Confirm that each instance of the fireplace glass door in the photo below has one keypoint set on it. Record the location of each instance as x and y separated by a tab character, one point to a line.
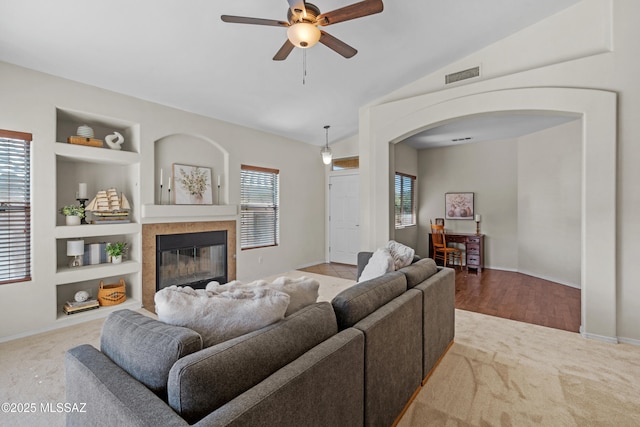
191	259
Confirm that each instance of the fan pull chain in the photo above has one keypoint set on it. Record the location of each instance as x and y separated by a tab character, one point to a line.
304	66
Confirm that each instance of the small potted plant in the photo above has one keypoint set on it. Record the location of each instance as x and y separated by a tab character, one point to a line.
116	250
73	214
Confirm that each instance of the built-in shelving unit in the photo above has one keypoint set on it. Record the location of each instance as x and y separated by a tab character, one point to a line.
99	168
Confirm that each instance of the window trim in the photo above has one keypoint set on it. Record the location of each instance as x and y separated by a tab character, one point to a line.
413	179
27	138
276	207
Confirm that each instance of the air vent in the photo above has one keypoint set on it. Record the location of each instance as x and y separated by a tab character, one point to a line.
466	138
462	75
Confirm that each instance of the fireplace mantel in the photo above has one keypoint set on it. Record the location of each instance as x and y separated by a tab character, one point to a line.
180	213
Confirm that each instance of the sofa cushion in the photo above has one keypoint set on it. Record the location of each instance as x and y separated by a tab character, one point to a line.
363	298
218	317
202	382
302	291
381	262
419	271
145	347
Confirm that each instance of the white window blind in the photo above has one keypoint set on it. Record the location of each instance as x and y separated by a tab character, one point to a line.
15	206
259	200
404	200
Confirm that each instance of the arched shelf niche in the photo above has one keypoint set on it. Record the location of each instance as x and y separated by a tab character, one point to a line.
192	150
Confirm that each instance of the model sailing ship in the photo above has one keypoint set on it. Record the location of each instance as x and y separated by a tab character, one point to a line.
109	208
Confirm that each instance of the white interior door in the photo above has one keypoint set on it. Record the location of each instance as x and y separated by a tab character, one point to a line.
344	217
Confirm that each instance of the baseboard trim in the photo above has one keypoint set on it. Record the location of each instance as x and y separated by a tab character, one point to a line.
596	337
550	279
629	341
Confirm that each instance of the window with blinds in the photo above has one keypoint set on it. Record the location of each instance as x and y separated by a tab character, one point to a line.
15	206
405	200
259	200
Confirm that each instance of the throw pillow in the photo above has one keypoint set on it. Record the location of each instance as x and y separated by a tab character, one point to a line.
218	317
402	255
302	291
381	262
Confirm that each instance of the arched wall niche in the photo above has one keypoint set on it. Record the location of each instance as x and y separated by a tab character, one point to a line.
389	123
192	150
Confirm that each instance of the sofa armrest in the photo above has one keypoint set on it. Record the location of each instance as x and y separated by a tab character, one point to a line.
363	260
107	396
439	315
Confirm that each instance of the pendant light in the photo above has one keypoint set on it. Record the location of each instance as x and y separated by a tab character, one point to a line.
326	151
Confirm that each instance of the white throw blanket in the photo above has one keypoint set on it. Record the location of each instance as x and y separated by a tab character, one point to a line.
218	317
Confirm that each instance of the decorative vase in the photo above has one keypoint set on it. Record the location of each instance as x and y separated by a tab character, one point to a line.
114	141
72	220
85	131
116	259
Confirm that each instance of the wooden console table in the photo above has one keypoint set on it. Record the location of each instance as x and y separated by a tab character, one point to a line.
473	248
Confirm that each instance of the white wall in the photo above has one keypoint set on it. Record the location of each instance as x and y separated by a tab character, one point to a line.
528	193
549	203
30	101
489	170
405	160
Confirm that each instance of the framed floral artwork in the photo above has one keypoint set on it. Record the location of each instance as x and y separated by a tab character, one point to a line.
458	205
192	185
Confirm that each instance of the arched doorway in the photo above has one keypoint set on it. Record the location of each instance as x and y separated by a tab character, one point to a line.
389	123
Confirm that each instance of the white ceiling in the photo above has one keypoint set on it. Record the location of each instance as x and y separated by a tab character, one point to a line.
486	127
179	53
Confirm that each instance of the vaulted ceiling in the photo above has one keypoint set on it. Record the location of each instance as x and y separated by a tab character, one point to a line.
180	53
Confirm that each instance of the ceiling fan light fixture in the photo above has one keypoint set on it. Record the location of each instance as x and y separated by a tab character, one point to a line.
303	34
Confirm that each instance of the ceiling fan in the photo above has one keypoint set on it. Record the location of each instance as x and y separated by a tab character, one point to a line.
302	24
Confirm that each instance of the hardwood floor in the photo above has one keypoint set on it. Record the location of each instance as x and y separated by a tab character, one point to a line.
334	269
520	297
503	294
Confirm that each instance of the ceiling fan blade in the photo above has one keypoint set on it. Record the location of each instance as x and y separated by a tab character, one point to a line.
297	7
338	45
256	21
284	51
356	10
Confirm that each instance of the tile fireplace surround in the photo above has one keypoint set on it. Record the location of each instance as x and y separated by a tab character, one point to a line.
149	233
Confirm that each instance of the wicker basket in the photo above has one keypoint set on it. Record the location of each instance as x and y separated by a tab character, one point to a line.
112	294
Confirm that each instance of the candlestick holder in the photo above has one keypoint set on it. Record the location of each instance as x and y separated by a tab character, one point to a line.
161	194
83	203
169	196
218	197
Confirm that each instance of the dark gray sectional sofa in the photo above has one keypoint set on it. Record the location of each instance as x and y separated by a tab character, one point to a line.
356	361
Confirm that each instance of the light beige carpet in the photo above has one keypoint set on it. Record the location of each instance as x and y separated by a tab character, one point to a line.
506	373
498	373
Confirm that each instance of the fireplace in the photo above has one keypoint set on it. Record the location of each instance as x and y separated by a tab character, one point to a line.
150	233
191	259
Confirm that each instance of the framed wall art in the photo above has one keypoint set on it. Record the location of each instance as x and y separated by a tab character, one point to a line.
458	206
192	185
